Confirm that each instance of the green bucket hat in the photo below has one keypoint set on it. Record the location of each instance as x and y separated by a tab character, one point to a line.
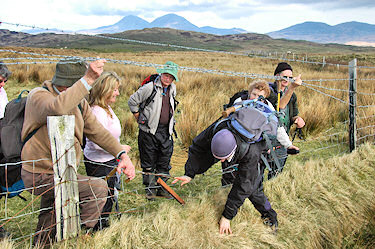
69	72
171	68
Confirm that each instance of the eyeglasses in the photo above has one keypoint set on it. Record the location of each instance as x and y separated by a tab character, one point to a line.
1	81
286	78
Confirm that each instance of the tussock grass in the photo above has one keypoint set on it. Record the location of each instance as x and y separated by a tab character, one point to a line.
6	244
320	204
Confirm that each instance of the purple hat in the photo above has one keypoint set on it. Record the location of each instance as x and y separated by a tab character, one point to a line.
223	144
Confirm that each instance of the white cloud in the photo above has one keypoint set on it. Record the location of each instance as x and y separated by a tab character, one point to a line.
253	15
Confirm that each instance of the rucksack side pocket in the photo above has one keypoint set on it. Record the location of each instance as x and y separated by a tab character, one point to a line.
11	149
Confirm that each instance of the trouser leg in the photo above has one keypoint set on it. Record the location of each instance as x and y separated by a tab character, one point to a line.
155	154
93	193
100	170
148	156
43	184
261	203
163	166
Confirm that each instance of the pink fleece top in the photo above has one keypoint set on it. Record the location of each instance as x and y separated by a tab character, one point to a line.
3	101
92	151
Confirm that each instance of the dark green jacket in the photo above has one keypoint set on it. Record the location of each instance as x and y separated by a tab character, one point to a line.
291	109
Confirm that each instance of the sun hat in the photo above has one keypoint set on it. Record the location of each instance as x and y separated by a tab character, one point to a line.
68	72
223	144
169	67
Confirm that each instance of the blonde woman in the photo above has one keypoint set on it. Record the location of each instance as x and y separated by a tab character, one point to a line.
99	162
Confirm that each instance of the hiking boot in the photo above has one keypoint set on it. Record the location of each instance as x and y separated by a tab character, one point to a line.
163	193
150	193
3	233
103	223
273	224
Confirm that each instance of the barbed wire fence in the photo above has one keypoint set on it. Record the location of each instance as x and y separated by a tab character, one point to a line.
331	139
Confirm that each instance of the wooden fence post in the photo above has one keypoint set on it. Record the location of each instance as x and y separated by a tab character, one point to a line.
352	104
61	135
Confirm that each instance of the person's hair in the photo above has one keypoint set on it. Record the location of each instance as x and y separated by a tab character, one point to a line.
4	71
260	85
102	90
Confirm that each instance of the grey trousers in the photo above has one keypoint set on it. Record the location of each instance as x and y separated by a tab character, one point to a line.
92	193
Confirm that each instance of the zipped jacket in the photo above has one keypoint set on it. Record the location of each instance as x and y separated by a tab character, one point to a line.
152	110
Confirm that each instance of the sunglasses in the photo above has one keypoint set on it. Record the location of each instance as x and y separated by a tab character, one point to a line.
286	78
1	81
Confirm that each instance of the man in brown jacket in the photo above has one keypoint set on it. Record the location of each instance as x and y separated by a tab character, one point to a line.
68	88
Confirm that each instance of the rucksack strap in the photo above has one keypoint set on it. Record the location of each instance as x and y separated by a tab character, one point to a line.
265	161
218	122
272	152
20	95
145	103
34	131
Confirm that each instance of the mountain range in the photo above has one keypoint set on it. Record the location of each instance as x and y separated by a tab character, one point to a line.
350	33
173	21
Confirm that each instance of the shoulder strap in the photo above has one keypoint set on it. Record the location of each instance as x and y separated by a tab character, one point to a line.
273	153
243	148
145	103
34	131
151	97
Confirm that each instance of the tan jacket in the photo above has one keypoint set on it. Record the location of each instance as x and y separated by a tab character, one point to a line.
42	103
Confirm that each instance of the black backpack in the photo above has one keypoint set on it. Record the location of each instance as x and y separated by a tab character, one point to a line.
241	94
11	146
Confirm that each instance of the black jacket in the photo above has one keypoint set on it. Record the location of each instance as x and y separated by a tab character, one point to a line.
200	159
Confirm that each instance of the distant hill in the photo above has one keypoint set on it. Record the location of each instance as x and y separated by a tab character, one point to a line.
127	23
345	33
173	21
235	42
132	22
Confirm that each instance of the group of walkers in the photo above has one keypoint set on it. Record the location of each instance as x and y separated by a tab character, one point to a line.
87	92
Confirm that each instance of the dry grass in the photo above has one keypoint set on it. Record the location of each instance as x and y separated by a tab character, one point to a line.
321	204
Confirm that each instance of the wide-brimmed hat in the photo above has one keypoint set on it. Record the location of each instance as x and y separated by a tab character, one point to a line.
69	72
171	68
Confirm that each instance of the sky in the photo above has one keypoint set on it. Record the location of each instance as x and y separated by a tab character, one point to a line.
259	16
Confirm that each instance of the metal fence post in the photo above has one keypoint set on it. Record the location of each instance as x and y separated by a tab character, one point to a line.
352	104
61	135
